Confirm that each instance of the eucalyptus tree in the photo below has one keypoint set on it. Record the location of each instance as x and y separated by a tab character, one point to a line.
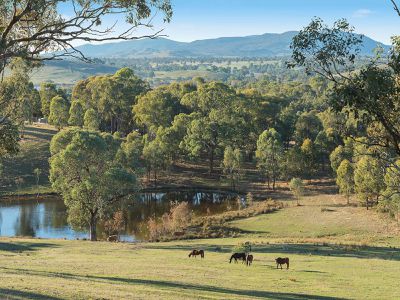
370	94
345	179
91	120
39	30
156	108
369	180
269	155
232	165
59	112
47	91
85	170
215	120
76	114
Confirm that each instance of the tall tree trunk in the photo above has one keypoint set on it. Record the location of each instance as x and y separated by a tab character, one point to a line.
92	229
211	160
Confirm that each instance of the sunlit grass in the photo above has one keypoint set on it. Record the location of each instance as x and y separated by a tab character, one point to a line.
331	257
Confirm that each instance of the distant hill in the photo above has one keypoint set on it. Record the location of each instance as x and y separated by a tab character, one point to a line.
266	45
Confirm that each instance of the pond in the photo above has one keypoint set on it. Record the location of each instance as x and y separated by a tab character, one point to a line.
46	217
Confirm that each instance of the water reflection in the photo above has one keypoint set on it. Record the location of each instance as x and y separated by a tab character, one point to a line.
47	218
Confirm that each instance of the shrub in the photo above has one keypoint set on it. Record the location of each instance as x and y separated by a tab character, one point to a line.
242	248
115	225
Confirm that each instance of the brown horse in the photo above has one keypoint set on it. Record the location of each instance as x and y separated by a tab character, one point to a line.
112	238
237	256
281	261
197	252
249	259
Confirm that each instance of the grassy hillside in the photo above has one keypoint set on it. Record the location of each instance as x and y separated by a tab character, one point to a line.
67	72
34	153
326	263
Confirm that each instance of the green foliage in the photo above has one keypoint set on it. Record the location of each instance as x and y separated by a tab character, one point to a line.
85	171
59	112
320	48
156	156
76	114
341	153
391	195
368	179
50	29
269	155
216	120
157	108
18	97
308	158
91	120
308	126
345	178
296	186
47	92
242	248
9	138
232	165
130	154
112	96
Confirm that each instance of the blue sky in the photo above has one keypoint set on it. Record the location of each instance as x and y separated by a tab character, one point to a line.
200	19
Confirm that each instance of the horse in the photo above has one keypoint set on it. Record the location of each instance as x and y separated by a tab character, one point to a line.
249	259
237	256
113	238
197	252
281	261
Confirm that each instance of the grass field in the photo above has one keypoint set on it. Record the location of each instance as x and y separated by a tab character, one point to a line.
359	260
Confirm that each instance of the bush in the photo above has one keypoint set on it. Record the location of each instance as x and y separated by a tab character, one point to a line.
177	219
115	225
242	248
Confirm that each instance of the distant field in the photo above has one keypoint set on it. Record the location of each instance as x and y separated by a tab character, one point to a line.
320	267
189	74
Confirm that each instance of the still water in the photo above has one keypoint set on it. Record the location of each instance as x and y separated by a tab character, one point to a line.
47	217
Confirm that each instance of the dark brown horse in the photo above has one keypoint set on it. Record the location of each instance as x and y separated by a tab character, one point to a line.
249	259
197	252
281	261
237	256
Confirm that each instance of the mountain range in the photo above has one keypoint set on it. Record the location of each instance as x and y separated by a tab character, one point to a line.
265	45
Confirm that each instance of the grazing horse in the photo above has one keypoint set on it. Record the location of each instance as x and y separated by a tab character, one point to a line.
112	238
281	261
237	256
249	259
197	252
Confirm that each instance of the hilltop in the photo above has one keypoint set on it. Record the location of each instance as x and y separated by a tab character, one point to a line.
265	45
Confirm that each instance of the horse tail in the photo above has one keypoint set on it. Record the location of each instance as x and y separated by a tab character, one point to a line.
287	263
202	254
231	259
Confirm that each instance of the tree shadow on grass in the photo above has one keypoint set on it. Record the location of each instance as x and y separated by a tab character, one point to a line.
349	251
24	246
17	294
178	285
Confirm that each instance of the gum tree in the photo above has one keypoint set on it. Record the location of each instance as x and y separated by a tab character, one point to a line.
85	171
